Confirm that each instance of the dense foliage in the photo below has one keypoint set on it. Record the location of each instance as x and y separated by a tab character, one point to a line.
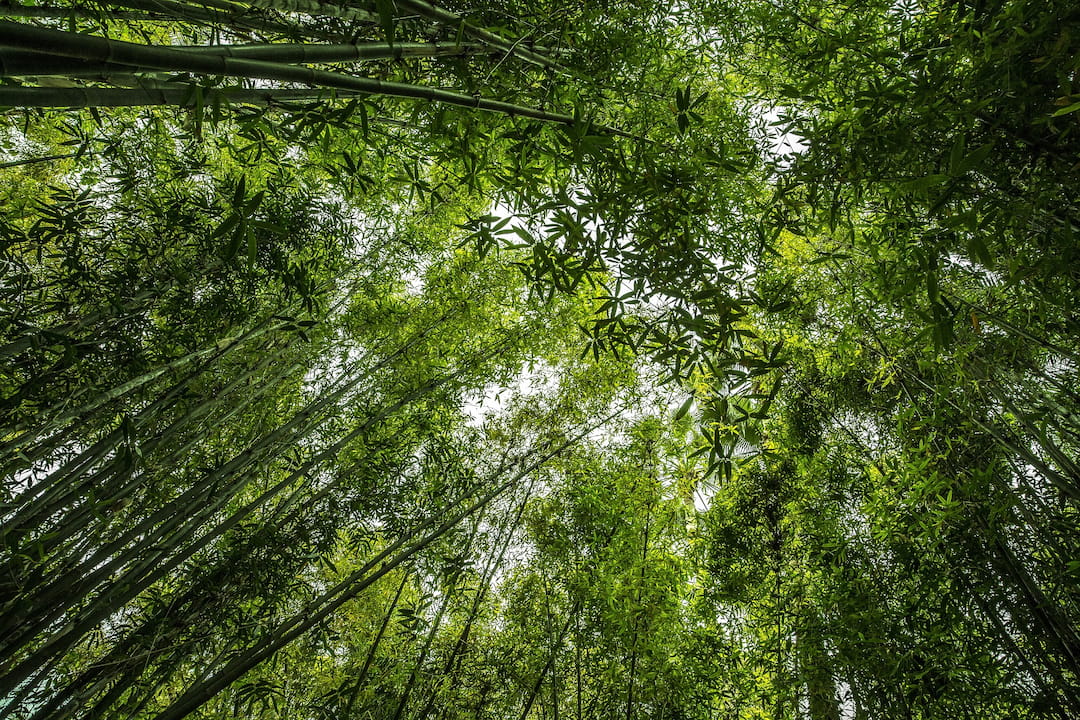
709	359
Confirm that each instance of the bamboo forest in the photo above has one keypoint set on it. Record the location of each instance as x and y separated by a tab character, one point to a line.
539	359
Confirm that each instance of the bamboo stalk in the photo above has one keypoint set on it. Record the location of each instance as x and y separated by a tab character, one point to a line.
38	160
410	684
29	63
505	534
103	50
330	53
146	97
362	675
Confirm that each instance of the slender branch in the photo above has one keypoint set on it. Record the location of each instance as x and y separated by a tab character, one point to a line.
448	18
35	161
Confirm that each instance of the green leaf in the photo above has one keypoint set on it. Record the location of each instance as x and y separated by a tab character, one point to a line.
977	248
1067	109
956	156
240	192
386	9
228	224
685	408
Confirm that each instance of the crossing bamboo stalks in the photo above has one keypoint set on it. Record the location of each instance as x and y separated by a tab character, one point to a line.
506	532
61	487
175	521
13	9
384	562
358	681
179	520
102	482
102	50
448	596
315	8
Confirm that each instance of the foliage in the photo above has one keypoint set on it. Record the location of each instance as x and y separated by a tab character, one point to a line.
526	360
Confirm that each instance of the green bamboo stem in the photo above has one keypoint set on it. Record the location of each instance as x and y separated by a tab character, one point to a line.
334	53
146	97
1037	434
26	63
103	398
126	659
410	684
130	309
1008	639
102	50
39	160
494	562
1063	483
550	663
71	523
1035	602
220	349
383	563
75	521
1055	626
997	319
191	509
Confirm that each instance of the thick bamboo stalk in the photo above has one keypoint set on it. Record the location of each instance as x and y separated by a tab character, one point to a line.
334	53
27	63
103	50
146	97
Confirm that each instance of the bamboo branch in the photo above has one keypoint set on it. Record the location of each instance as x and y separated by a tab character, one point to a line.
420	7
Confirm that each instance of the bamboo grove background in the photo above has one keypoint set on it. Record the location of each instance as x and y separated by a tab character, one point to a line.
711	359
